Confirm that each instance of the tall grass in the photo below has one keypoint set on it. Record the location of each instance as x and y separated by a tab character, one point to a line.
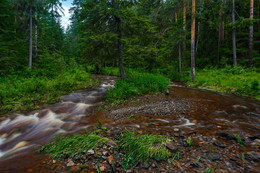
144	147
138	84
19	93
236	80
70	146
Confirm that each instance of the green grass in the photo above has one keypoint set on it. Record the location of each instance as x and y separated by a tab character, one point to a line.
70	146
138	84
144	147
27	92
236	80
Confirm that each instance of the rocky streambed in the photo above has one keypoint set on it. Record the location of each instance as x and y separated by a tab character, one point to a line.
208	131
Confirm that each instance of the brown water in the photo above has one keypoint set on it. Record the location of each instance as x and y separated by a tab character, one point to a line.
211	112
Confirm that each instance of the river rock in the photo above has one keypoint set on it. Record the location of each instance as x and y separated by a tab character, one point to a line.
252	156
171	146
257	142
111	143
70	163
219	144
91	152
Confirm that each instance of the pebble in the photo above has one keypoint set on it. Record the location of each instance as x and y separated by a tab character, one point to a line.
176	130
91	152
171	146
70	163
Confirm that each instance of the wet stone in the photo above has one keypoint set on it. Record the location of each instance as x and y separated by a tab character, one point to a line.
196	164
252	156
91	152
216	157
219	144
171	146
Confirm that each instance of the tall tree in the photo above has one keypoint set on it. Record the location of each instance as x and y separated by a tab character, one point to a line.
193	41
30	37
234	35
184	27
220	31
251	31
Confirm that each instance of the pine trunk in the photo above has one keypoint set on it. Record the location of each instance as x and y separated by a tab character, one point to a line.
120	55
251	32
219	34
193	41
30	39
234	35
179	62
184	28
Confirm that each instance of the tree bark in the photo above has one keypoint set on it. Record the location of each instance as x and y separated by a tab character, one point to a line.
30	39
120	56
36	35
219	34
193	41
184	29
251	32
179	62
234	35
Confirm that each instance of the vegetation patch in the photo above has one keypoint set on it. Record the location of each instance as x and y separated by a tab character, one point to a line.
144	147
20	92
138	84
234	80
70	146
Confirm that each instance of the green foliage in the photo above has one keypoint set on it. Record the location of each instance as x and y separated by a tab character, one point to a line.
70	146
235	80
144	147
138	84
189	142
25	93
239	139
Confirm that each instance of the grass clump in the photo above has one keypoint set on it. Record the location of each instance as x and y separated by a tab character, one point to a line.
20	92
144	147
70	146
234	80
138	84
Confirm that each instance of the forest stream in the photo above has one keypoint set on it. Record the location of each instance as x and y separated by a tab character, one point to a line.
206	116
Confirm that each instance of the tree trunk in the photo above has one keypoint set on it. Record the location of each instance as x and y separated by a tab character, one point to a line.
120	56
36	35
251	31
97	69
179	62
234	35
197	44
184	29
30	40
219	34
193	41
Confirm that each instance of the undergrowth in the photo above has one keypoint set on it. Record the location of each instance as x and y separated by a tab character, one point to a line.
70	146
234	80
144	147
20	92
138	84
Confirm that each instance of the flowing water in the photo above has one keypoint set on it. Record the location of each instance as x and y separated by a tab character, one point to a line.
210	112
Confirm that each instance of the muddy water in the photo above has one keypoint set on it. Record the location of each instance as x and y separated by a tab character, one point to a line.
209	112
